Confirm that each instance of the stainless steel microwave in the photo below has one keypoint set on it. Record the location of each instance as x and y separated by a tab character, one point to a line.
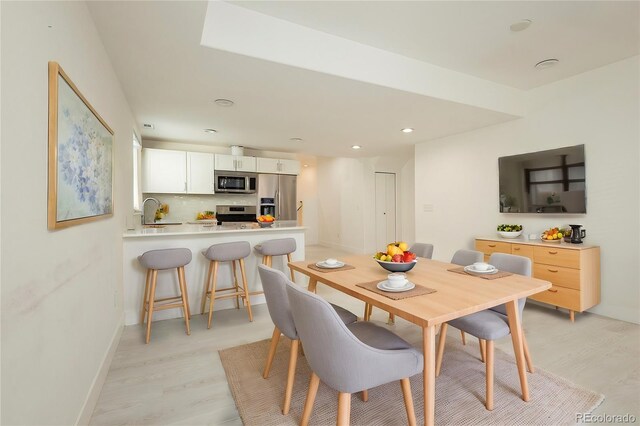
235	182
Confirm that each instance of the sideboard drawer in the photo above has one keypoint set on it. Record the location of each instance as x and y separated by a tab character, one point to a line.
558	275
560	296
522	250
557	256
489	247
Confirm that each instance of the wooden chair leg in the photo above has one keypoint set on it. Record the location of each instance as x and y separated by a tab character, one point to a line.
235	282
408	401
365	317
441	342
527	355
365	395
392	319
152	296
207	285
464	340
212	295
344	409
293	278
145	298
245	285
489	362
291	374
186	292
482	344
272	352
311	398
185	303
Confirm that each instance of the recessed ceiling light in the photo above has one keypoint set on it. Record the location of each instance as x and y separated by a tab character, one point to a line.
520	25
407	130
296	140
210	131
547	63
224	102
305	165
356	147
148	126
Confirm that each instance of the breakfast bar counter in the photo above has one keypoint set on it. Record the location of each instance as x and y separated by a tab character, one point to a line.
197	237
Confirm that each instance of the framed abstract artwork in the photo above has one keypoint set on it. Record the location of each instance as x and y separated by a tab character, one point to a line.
80	156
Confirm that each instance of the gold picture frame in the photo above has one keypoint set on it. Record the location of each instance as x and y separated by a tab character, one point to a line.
81	145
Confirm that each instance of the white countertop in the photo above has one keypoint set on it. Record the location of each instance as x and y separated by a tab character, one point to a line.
197	229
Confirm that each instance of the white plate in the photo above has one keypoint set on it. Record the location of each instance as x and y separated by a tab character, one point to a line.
470	268
325	266
383	286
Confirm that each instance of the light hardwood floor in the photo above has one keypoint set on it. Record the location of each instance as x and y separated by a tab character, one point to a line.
178	379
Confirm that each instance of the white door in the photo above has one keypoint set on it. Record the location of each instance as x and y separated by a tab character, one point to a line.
225	162
289	167
385	194
164	171
200	173
245	164
267	165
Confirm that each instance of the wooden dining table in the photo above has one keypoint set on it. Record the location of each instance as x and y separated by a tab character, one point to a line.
455	295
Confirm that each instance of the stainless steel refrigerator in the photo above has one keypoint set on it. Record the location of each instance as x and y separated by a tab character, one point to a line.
277	196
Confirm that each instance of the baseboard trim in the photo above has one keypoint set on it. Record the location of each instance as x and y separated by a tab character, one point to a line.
98	381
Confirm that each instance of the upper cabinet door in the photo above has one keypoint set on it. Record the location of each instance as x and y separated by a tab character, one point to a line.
245	164
268	165
289	167
225	162
200	173
164	171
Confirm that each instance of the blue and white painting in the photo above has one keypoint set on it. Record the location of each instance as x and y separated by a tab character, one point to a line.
84	165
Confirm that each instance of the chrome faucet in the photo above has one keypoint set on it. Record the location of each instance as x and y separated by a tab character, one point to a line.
144	215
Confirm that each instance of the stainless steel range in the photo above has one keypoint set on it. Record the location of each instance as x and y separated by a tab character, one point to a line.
232	214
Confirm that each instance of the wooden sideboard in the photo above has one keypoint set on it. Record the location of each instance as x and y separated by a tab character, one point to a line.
573	269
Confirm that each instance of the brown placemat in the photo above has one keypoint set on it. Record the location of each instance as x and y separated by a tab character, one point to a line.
418	290
499	274
342	268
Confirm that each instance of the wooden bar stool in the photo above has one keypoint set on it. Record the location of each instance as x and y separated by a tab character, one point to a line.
158	260
278	247
226	252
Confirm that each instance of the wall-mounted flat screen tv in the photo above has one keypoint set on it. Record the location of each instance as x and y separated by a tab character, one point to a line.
550	181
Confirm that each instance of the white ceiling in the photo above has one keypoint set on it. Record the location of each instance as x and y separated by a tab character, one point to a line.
171	80
473	37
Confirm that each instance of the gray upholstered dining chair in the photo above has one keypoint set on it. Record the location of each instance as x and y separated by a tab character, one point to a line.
490	324
422	250
465	258
349	358
274	286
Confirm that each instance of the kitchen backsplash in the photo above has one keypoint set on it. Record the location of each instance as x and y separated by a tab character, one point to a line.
184	208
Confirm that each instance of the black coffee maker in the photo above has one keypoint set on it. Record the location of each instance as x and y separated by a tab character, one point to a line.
577	234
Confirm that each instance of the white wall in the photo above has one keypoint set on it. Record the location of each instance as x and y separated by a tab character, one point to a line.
458	175
346	200
61	290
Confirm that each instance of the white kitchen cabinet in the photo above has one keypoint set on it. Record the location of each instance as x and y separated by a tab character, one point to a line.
278	166
164	171
200	173
267	165
235	163
290	167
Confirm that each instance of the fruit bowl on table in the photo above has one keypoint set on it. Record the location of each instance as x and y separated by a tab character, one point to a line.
397	266
512	234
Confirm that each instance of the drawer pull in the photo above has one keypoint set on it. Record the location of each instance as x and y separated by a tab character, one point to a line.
553	252
516	248
552	270
492	245
552	290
